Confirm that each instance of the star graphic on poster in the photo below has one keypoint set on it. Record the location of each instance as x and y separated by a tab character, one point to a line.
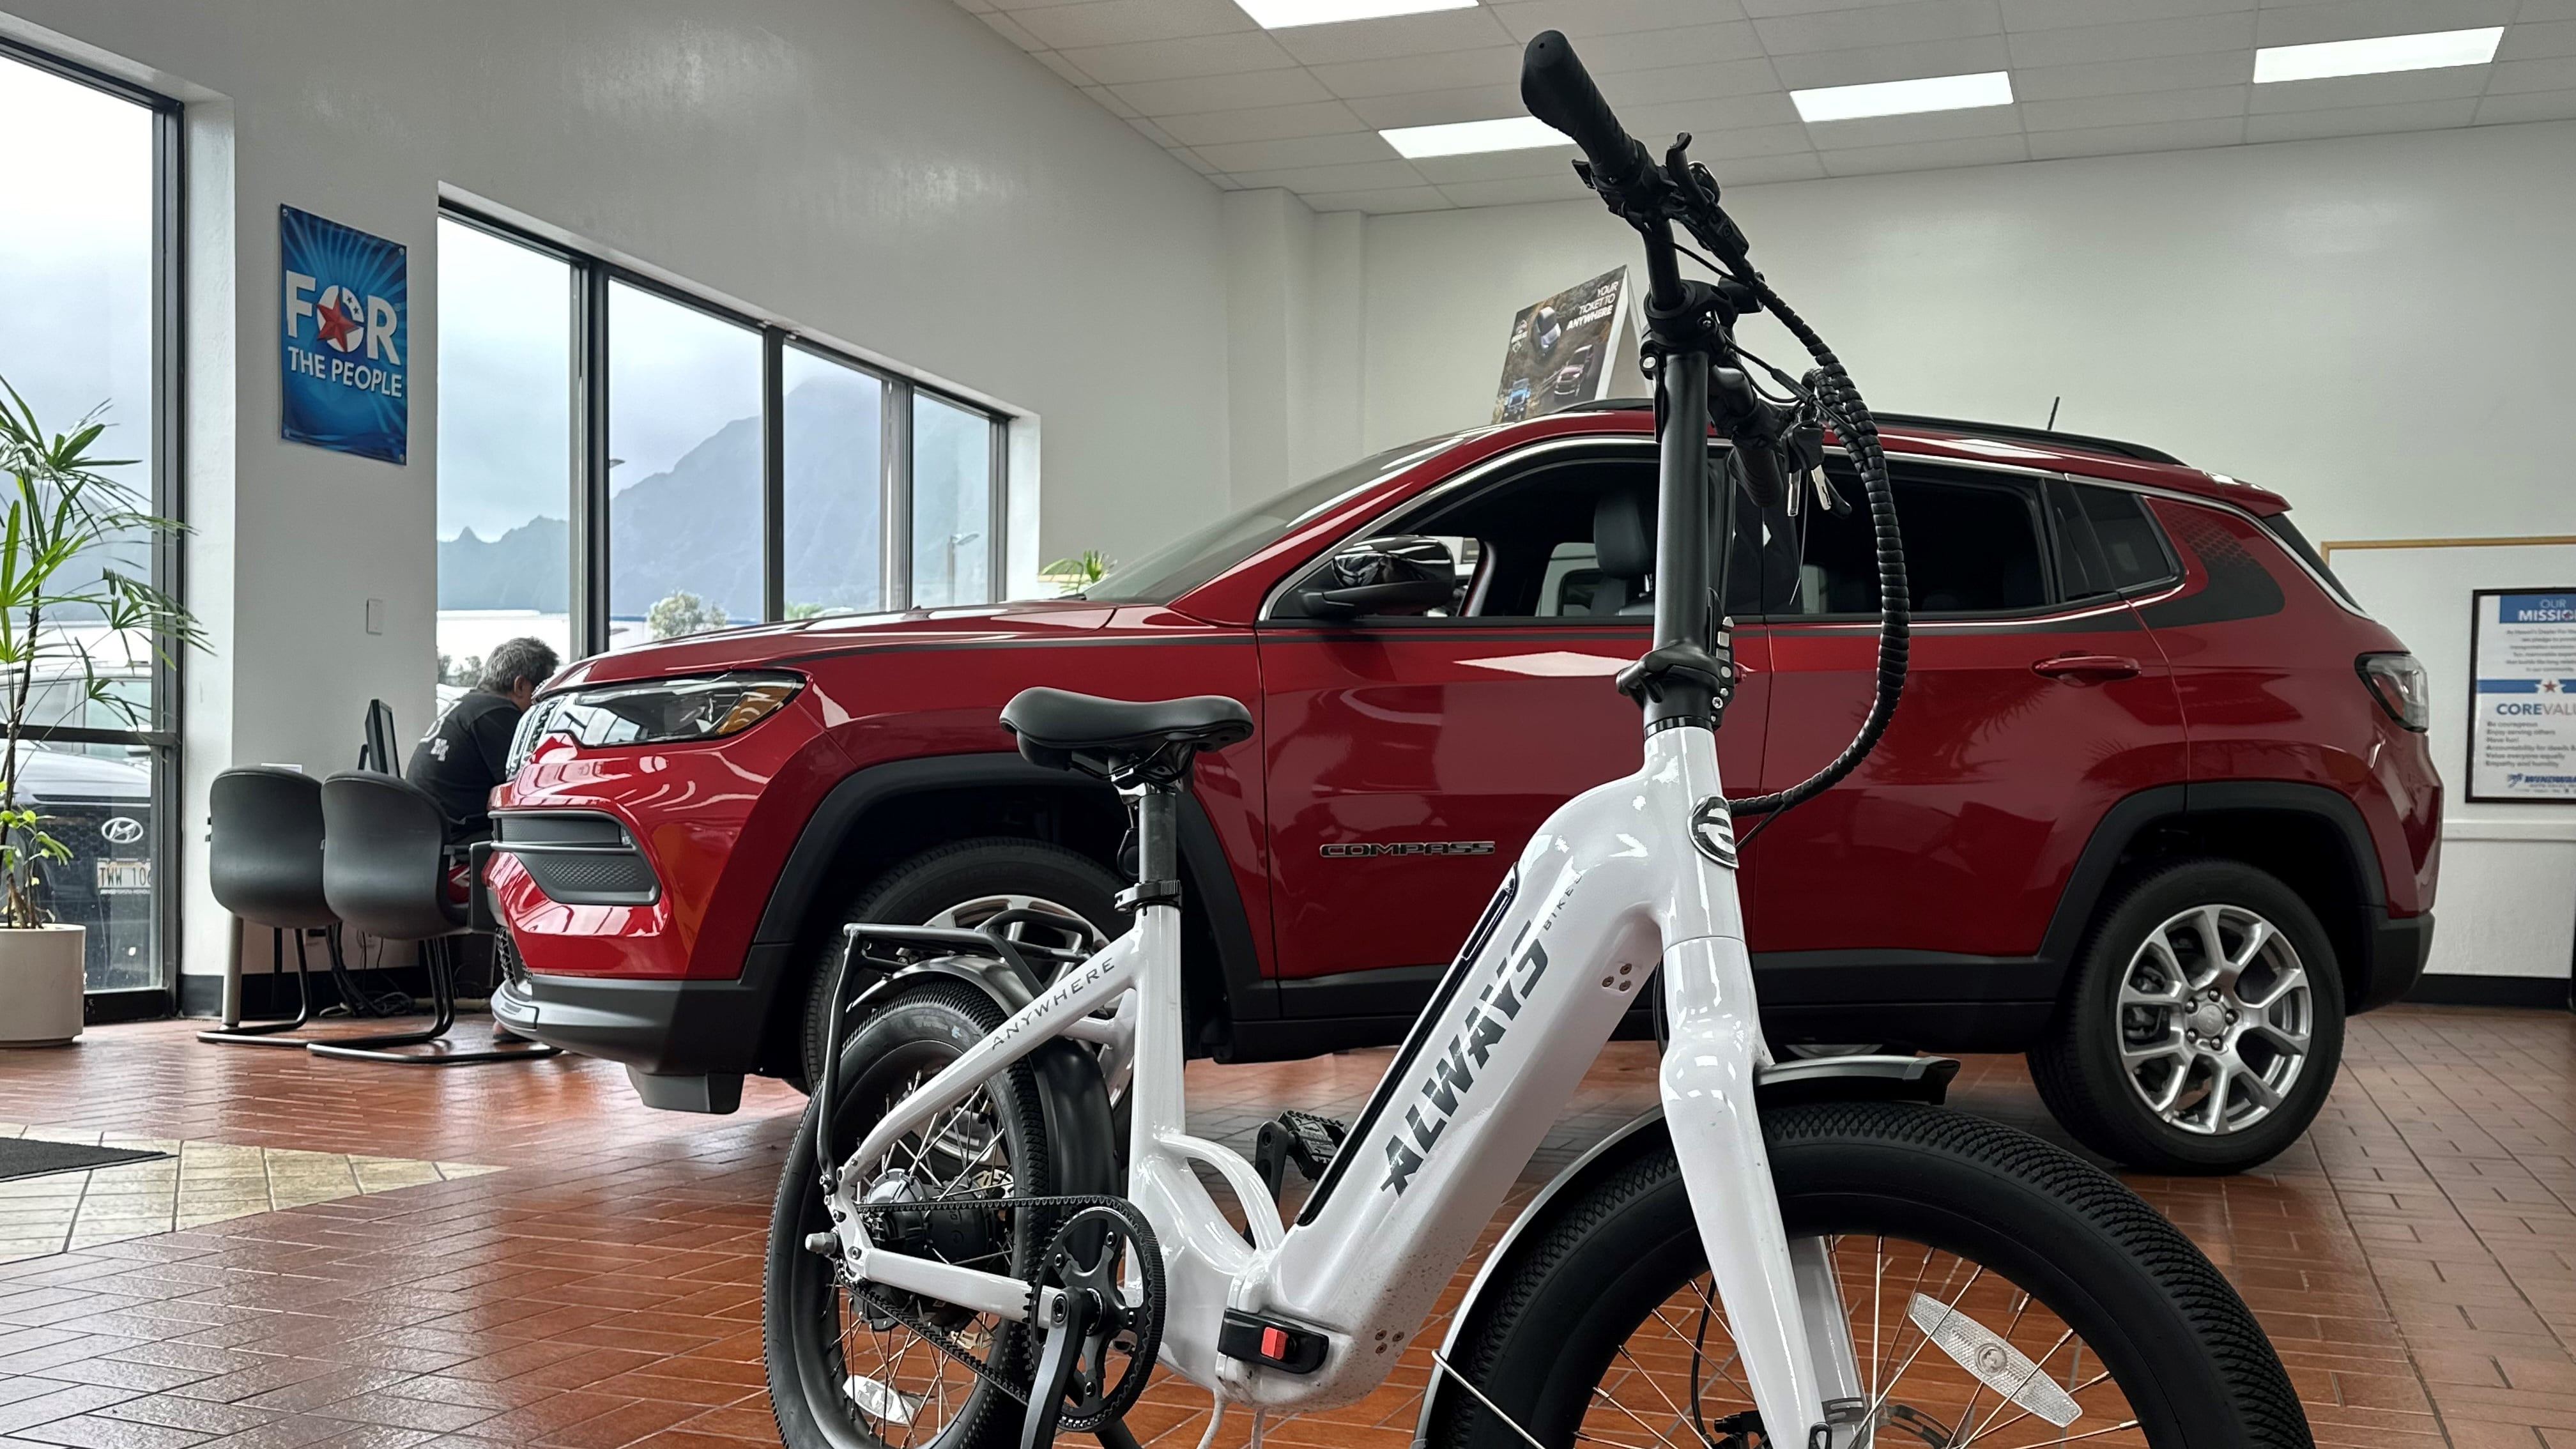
2549	686
338	327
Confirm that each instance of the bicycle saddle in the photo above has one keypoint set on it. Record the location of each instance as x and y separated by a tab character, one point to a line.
1066	731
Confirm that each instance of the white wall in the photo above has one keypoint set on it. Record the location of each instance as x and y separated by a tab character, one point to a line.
1293	330
889	173
2373	326
2382	328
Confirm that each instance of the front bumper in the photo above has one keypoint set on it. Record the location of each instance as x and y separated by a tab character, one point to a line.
685	1044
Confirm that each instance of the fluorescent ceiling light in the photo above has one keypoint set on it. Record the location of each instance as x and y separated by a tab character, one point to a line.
1281	14
1511	133
2378	55
1905	97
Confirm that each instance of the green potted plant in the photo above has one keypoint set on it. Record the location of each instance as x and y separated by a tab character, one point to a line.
69	622
1079	572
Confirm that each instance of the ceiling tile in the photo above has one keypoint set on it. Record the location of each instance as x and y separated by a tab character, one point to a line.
1387	202
2536	42
1203	55
1108	100
1396	74
1907	24
1262	123
1893	62
2136	109
1117	22
2396	88
1222	92
1495	165
2123	77
1010	30
1926	155
974	7
1061	66
2556	73
1721	149
1426	34
2355	19
2115	140
1686	45
1582	18
1365	176
1299	151
2360	120
2533	10
2134	40
1763	9
1439	108
2527	106
1691	83
1831	136
1152	132
1656	124
2053	14
1514	193
1191	159
1025	4
1763	170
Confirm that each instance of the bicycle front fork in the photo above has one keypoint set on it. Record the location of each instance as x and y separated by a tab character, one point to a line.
1798	1363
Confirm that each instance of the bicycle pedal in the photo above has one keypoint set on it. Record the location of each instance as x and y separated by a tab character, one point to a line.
1300	1138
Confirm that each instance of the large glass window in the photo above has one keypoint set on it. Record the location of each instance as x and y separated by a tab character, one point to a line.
621	461
86	291
834	540
685	468
952	503
505	449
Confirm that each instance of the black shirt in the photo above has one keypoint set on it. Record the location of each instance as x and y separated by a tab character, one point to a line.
464	755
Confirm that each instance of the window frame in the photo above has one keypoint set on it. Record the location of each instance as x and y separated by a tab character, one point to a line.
590	520
160	740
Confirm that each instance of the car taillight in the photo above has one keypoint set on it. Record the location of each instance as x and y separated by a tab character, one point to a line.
2400	685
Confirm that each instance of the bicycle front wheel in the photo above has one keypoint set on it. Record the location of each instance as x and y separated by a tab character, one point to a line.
1998	1292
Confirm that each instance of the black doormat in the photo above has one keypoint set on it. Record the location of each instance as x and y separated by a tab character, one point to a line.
28	1157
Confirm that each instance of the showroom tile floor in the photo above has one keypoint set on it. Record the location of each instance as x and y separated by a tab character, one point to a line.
598	1284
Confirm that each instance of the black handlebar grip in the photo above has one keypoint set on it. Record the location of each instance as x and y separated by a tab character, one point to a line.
1759	468
1558	90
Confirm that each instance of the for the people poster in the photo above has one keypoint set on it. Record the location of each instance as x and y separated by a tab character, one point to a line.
2522	718
341	348
1562	349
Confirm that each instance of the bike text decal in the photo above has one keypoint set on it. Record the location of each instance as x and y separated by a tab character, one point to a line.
1454	1066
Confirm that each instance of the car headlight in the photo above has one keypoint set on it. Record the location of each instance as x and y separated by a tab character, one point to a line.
655	711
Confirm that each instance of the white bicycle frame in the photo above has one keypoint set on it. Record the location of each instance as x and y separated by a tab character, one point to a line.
1631	876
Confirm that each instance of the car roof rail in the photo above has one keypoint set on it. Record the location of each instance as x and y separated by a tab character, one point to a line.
2001	432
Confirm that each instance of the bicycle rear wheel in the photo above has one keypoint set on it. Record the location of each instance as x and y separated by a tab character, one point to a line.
1999	1292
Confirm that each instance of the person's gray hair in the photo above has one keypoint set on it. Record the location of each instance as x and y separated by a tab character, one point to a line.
515	659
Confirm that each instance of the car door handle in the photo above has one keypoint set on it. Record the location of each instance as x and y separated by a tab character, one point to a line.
2087	666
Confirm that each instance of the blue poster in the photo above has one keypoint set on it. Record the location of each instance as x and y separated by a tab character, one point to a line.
345	337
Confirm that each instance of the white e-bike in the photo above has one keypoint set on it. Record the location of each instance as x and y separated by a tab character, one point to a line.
968	1251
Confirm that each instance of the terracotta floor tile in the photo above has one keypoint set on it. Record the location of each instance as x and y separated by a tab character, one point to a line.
2414	1256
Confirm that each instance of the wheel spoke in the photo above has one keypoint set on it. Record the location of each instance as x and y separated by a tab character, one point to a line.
2286	982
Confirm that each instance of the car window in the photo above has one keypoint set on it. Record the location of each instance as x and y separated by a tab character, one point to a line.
1971	547
1532	545
1193	559
2106	541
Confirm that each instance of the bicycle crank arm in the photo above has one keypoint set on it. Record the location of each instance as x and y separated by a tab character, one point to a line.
1062	1323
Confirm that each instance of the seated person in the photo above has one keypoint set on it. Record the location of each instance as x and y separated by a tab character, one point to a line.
466	753
467	749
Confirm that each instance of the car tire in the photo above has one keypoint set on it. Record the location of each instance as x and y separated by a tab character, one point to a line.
954	881
2157	1018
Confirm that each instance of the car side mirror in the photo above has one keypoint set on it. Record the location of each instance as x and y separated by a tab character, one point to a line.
1400	575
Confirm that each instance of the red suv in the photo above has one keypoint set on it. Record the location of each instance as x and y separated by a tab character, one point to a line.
2156	807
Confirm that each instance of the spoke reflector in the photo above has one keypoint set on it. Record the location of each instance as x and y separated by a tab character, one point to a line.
1997	1364
882	1401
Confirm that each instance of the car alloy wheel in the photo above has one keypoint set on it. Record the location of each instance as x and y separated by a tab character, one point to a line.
1074	939
2215	1015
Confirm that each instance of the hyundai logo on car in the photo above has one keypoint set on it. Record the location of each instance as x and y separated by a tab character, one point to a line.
121	830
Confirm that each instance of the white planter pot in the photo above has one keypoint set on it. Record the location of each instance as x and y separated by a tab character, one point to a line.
40	985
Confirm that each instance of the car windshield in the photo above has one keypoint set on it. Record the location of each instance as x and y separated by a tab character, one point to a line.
1178	567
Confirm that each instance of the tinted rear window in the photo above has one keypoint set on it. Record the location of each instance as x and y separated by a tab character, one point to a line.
2106	541
2296	542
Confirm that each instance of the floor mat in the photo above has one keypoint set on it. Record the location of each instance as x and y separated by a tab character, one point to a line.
29	1157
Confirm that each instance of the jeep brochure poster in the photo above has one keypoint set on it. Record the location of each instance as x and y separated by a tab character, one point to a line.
2522	719
1563	349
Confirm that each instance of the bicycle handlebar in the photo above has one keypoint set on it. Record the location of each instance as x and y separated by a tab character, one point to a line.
1558	90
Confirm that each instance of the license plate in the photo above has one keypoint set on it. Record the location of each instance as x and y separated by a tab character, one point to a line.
124	877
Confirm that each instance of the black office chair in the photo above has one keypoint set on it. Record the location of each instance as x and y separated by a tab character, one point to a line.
384	870
265	867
